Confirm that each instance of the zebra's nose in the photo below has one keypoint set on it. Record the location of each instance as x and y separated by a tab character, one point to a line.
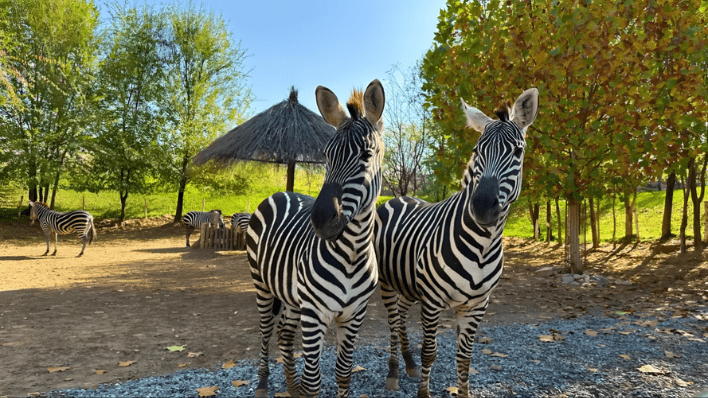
327	218
485	202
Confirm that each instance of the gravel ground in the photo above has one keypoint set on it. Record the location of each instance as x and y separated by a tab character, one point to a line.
575	363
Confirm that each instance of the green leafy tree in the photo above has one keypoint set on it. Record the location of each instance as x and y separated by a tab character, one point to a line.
125	150
47	69
205	90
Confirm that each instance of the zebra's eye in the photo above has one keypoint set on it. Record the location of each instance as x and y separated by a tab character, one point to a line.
366	155
519	153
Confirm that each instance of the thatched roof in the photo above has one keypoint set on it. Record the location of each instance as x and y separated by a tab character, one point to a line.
284	133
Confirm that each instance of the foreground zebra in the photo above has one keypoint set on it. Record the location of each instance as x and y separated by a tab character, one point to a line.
449	254
316	256
240	221
194	220
79	221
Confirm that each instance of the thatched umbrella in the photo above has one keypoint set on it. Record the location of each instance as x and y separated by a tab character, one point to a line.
285	133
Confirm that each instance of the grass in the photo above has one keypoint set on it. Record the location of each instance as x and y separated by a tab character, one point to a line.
650	206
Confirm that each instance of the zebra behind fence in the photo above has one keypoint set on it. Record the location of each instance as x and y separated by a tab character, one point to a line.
449	254
316	256
79	221
240	221
194	220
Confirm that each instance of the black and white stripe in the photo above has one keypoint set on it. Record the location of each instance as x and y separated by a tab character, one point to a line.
449	254
79	221
316	257
194	220
239	221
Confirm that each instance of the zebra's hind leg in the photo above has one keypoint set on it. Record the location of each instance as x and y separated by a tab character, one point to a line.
56	243
189	232
412	369
430	318
390	299
268	309
347	330
468	319
85	240
286	335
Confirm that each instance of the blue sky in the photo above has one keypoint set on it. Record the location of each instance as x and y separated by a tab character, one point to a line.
337	44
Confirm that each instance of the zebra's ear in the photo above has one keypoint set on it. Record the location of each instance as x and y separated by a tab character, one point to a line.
31	203
329	106
374	101
475	118
525	109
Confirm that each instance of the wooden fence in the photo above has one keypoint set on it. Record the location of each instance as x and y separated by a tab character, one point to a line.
223	238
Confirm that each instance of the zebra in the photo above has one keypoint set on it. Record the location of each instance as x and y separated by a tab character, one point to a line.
449	254
240	221
79	221
315	257
194	220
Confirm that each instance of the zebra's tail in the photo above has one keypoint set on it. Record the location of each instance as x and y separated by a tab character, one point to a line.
93	231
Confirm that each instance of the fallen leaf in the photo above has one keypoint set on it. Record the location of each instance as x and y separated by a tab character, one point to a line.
592	369
486	340
228	365
590	332
194	354
239	383
174	348
68	379
358	368
100	372
625	356
500	355
649	369
646	324
546	338
487	351
452	390
297	355
58	369
682	383
282	394
472	371
207	391
627	332
621	312
495	367
125	363
181	365
670	354
280	360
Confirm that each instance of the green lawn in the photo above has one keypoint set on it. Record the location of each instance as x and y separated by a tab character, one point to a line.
650	206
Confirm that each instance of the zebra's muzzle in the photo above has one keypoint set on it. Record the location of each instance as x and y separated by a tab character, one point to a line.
327	218
486	208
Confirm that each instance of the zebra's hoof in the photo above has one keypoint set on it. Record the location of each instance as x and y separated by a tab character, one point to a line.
54	254
80	254
262	393
45	254
413	372
392	384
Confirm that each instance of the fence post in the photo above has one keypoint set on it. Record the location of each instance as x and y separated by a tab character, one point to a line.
202	236
19	206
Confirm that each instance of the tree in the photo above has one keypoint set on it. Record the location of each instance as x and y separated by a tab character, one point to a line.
50	64
130	81
205	88
594	63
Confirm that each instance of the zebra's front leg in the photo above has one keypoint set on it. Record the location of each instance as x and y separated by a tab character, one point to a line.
412	369
314	325
265	302
347	330
430	317
390	300
286	335
85	240
189	232
48	235
468	321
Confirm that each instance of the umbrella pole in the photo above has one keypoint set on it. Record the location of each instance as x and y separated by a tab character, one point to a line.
291	177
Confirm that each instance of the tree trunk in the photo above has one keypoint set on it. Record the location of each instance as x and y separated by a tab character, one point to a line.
593	225
696	199
668	207
123	199
628	230
54	190
533	211
182	187
549	227
560	222
290	183
614	220
684	218
576	266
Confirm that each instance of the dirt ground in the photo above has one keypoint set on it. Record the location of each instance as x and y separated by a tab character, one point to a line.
111	314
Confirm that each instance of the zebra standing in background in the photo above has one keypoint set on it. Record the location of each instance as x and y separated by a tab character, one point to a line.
240	221
79	221
194	220
449	254
316	256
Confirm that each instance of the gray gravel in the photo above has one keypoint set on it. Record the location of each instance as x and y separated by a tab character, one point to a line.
578	365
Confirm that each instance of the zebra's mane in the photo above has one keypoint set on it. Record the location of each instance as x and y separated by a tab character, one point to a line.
503	111
355	105
41	203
